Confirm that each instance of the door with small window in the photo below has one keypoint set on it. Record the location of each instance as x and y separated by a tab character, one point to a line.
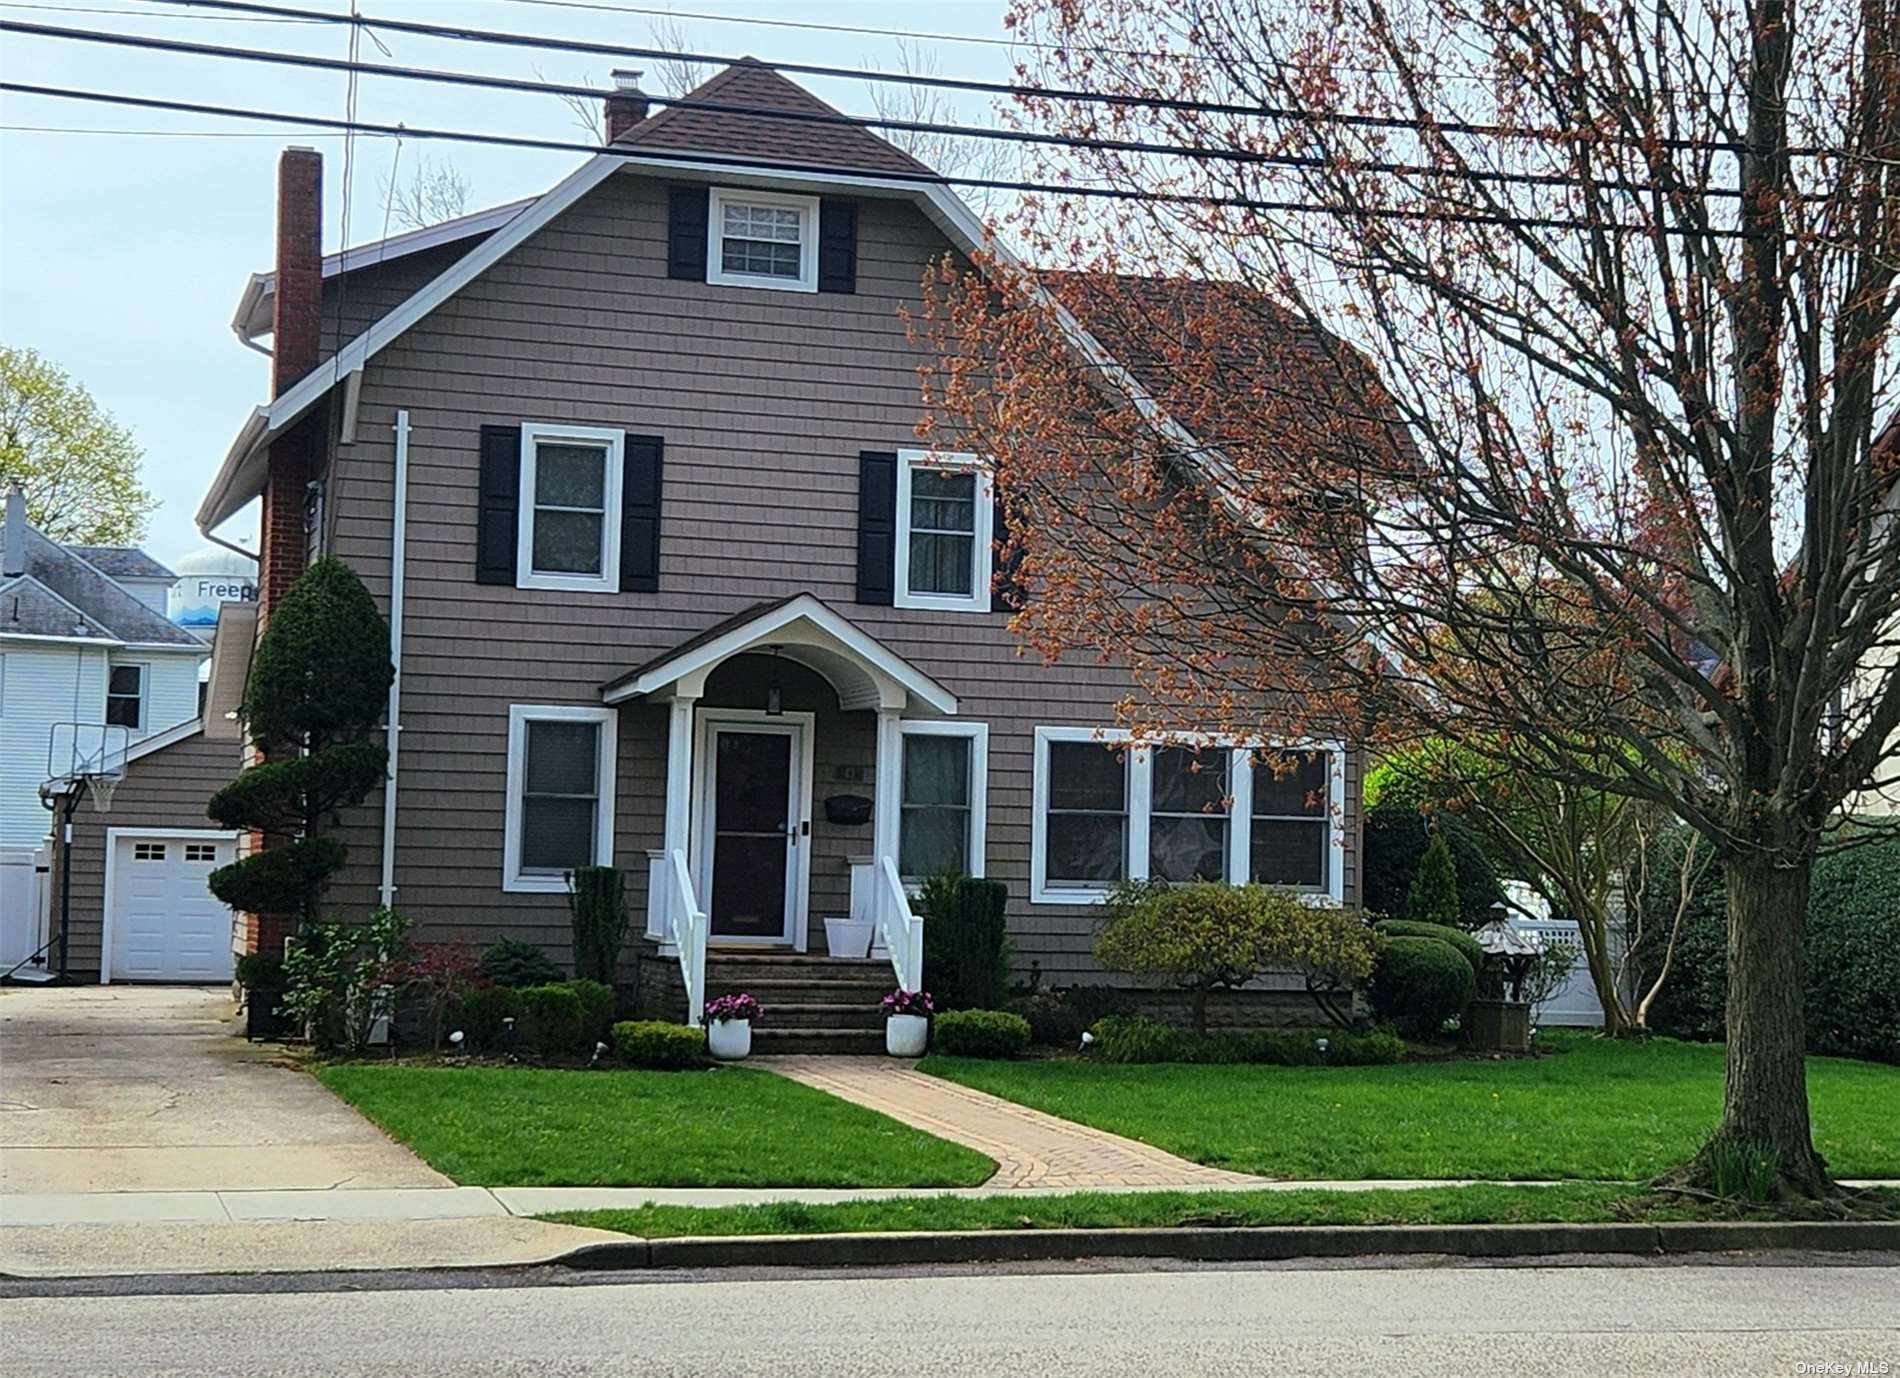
162	923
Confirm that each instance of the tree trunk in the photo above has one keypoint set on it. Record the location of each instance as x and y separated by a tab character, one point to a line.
1765	1101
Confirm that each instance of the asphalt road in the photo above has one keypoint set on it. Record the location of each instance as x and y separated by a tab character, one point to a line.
1590	1321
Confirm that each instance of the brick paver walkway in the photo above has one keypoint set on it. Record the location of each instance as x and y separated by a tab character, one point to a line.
1031	1149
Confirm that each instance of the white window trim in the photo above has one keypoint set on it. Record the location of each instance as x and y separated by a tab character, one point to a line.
982	557
1140	792
978	735
513	880
807	208
145	693
615	442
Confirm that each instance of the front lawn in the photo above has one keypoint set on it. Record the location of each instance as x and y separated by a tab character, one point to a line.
1597	1110
1571	1203
730	1127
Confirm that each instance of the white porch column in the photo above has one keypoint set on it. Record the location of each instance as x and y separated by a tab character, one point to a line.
890	764
679	803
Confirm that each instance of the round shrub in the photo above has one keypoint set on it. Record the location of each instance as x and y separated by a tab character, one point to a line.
1419	983
981	1033
658	1044
512	962
550	1021
597	1009
1468	946
480	1014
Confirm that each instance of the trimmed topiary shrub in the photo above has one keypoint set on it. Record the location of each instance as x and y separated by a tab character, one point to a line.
980	1033
1209	936
481	1015
1419	983
655	1043
1433	894
597	1010
1467	946
597	909
966	941
550	1020
512	962
1125	1039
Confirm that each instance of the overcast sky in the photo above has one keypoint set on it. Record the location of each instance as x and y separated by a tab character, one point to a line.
122	254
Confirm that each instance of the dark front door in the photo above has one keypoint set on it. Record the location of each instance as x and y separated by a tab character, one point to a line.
752	833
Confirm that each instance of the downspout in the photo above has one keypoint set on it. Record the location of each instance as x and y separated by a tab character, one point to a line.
398	559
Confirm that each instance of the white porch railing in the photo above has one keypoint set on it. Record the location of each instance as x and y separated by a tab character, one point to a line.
686	928
900	930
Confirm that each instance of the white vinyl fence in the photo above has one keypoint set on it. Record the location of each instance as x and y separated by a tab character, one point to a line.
26	893
1576	1005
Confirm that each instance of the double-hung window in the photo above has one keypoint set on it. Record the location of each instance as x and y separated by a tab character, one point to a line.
762	239
944	518
1106	810
570	507
125	697
943	798
560	799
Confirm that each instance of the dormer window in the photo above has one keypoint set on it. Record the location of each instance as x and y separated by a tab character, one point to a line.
762	239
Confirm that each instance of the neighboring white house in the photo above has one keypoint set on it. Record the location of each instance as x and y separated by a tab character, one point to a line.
83	639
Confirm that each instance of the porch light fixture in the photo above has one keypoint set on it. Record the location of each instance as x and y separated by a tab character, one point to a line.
774	695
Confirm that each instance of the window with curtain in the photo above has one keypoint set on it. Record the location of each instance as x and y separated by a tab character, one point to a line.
934	826
560	795
1292	822
1187	817
1087	827
570	508
943	532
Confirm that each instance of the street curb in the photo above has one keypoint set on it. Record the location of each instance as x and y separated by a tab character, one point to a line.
1262	1244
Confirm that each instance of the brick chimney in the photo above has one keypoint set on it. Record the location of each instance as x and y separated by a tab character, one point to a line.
13	559
296	339
627	106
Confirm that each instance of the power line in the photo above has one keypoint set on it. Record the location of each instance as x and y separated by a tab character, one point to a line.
166	133
834	170
463	33
356	68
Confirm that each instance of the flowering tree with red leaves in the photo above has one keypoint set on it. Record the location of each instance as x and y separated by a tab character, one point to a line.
1508	373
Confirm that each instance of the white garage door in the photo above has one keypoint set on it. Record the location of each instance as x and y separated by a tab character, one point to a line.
165	924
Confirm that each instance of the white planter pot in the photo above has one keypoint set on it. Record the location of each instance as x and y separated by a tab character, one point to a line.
729	1039
848	937
906	1035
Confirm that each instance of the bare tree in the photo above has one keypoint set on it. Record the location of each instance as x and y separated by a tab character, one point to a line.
436	191
1528	395
952	155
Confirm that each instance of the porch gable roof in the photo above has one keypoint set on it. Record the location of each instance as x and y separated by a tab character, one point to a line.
801	628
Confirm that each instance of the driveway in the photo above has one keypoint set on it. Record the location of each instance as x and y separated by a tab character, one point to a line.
145	1088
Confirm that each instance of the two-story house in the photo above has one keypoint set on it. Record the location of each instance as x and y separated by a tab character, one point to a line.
633	469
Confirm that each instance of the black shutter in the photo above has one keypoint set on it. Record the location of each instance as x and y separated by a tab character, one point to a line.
1006	589
499	510
640	515
877	526
686	233
837	246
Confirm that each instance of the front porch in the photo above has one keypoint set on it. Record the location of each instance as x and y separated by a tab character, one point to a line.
780	810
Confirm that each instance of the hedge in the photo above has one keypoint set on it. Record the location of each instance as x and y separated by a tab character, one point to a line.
1468	946
981	1033
1130	1039
656	1044
551	1020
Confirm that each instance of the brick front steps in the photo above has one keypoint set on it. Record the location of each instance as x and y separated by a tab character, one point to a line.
812	1004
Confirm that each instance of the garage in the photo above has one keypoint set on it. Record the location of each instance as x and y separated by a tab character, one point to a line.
162	923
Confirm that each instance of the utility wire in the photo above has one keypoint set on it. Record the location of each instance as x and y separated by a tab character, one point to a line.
464	33
1246	203
357	68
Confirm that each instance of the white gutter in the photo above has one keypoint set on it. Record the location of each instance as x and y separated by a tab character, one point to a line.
398	558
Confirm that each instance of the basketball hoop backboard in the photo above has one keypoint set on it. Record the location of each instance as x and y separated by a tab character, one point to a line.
87	753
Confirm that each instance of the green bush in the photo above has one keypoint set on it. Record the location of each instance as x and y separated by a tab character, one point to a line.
1206	936
981	1033
336	978
481	1015
1053	1021
655	1043
1396	836
966	941
512	962
597	909
1468	946
1433	894
550	1020
300	786
277	879
597	1010
1419	983
1851	950
259	972
1126	1039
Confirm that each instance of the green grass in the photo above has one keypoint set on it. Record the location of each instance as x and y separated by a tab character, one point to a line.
730	1127
1571	1203
1598	1110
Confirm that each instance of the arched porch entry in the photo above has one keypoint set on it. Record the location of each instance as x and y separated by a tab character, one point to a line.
755	704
